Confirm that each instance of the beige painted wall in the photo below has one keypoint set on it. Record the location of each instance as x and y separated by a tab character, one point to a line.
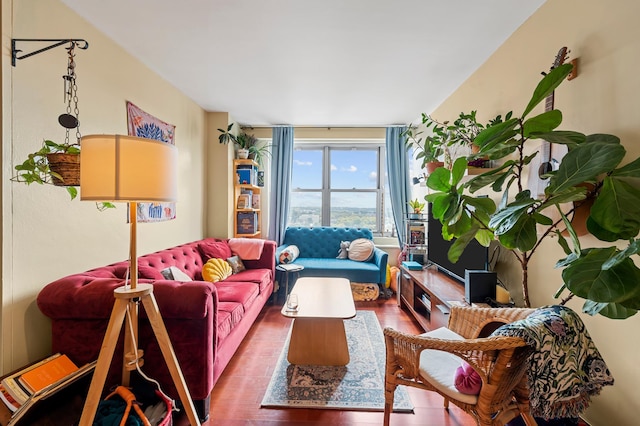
45	235
605	97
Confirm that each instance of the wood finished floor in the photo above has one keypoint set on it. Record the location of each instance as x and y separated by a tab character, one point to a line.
236	397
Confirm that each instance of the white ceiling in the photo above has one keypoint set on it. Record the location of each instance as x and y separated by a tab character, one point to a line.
311	63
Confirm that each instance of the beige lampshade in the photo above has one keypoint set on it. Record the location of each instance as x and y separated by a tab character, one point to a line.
127	168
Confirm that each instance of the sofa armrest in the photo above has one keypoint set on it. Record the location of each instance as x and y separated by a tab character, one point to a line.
380	258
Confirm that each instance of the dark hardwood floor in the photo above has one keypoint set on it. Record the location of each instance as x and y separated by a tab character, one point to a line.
236	398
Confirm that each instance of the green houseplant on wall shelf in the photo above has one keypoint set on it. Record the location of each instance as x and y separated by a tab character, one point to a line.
447	139
606	277
255	149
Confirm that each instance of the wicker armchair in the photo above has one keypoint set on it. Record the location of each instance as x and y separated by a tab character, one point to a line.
500	362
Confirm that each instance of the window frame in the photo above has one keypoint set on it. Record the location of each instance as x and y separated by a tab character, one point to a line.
326	147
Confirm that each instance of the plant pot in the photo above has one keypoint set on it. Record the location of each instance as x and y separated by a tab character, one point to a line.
242	154
67	166
415	215
434	165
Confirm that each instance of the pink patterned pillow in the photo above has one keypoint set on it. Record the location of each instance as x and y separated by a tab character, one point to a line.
467	380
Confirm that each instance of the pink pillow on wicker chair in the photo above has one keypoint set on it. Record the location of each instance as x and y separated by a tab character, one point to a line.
467	380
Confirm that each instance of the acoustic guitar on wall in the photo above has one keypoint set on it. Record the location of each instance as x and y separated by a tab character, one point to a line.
550	155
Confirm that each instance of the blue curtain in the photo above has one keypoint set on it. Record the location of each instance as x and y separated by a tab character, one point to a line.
282	161
398	173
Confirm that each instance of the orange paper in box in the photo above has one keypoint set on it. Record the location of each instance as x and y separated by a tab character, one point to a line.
54	370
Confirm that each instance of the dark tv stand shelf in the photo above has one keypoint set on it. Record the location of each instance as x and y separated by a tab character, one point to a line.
427	295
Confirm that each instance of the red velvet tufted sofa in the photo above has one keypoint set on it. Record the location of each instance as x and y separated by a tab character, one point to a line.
206	321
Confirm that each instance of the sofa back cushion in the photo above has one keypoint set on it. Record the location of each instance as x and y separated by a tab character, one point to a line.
322	241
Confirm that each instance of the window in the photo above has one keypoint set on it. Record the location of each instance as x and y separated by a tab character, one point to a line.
335	184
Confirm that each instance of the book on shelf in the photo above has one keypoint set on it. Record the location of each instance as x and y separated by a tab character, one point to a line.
244	201
255	201
48	373
416	235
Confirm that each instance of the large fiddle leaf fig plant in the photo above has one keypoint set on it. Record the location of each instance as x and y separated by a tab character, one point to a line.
605	276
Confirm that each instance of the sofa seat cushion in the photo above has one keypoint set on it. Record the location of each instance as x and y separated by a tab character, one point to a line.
262	277
229	314
243	293
350	269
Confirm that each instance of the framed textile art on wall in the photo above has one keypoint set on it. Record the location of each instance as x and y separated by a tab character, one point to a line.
144	125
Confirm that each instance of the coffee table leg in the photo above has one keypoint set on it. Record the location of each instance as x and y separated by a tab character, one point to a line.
318	341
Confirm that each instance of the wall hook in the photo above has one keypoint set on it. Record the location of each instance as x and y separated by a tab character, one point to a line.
73	42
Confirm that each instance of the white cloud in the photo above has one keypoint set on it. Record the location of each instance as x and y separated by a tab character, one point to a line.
350	169
302	163
333	168
373	176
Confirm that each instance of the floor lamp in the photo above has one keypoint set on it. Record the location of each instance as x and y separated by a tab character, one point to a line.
132	170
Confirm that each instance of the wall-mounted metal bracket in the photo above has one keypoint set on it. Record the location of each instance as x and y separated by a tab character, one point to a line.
73	42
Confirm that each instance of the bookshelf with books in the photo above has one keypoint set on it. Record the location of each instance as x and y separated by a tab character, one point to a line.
247	212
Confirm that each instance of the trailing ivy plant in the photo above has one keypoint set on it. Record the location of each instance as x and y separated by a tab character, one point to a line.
606	277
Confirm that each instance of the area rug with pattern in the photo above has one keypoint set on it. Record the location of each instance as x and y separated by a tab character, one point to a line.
357	386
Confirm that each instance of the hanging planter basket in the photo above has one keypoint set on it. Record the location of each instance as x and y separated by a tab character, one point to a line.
67	166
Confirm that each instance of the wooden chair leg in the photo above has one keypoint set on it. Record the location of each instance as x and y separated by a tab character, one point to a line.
389	394
529	420
446	404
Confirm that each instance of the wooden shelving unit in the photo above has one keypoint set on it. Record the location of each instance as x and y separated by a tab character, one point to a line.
247	212
428	296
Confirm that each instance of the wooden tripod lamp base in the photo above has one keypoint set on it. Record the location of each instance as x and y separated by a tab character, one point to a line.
126	297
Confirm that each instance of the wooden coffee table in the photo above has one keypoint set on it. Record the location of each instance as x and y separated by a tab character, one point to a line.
317	335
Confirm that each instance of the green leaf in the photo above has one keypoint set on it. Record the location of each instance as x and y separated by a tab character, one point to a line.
584	163
576	193
458	246
440	180
563	137
458	170
73	191
543	123
632	248
542	219
562	241
522	235
602	137
630	170
484	204
547	85
616	211
443	208
585	277
497	134
609	310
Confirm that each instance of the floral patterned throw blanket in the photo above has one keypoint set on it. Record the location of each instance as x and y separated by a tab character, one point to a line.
565	369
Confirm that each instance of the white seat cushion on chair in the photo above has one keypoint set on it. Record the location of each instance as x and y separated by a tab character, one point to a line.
439	367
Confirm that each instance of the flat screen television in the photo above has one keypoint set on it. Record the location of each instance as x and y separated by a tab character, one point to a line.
474	257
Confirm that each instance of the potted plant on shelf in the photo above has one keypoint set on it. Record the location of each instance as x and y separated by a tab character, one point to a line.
417	207
606	277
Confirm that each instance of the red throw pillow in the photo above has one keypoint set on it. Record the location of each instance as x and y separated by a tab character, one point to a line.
467	380
214	250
